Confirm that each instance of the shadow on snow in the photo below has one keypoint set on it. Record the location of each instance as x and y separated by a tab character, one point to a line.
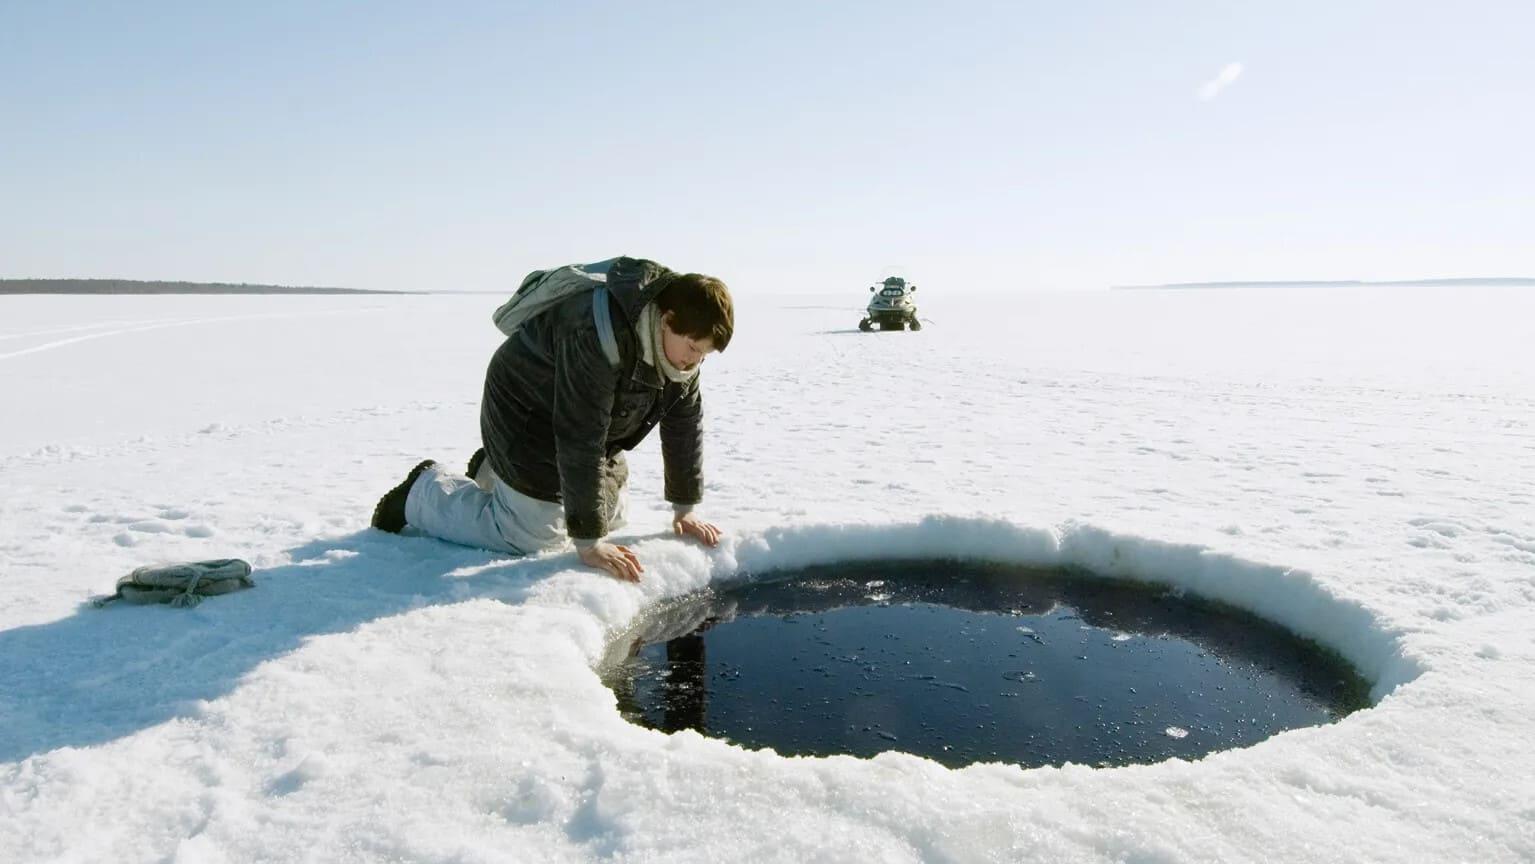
102	674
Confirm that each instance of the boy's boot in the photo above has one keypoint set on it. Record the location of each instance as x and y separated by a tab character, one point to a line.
389	515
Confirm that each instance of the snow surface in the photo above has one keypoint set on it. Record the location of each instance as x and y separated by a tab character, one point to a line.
1355	464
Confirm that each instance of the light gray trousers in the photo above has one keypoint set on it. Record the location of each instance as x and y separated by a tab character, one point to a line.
488	514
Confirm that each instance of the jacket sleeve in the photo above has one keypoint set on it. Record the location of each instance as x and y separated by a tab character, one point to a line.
682	447
584	386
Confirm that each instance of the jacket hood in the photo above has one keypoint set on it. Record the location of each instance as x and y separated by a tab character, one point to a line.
634	282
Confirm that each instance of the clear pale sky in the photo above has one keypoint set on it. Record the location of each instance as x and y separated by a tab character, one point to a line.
783	146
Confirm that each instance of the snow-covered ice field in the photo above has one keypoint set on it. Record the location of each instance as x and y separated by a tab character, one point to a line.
1358	465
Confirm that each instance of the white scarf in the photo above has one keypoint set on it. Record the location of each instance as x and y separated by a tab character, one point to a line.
653	348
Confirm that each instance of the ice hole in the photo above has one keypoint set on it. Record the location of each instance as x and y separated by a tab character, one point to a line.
972	662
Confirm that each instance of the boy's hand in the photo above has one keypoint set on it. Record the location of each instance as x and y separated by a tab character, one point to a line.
619	561
692	526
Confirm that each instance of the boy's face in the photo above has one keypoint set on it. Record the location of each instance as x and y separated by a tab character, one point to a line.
684	352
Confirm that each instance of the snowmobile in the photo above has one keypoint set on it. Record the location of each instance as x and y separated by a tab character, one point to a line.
891	307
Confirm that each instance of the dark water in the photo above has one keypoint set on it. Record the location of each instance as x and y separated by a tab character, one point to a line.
964	662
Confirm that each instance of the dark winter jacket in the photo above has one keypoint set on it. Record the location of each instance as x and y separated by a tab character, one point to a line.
557	416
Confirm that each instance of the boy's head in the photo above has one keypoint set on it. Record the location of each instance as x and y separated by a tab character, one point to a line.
698	307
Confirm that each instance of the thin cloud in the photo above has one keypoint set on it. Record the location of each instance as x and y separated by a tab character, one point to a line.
1212	88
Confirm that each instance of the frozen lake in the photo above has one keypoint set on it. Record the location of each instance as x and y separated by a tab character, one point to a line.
1356	465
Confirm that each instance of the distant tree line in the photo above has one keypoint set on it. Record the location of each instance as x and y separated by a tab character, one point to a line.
133	286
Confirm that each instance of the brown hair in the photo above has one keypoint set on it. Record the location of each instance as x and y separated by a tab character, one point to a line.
700	307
